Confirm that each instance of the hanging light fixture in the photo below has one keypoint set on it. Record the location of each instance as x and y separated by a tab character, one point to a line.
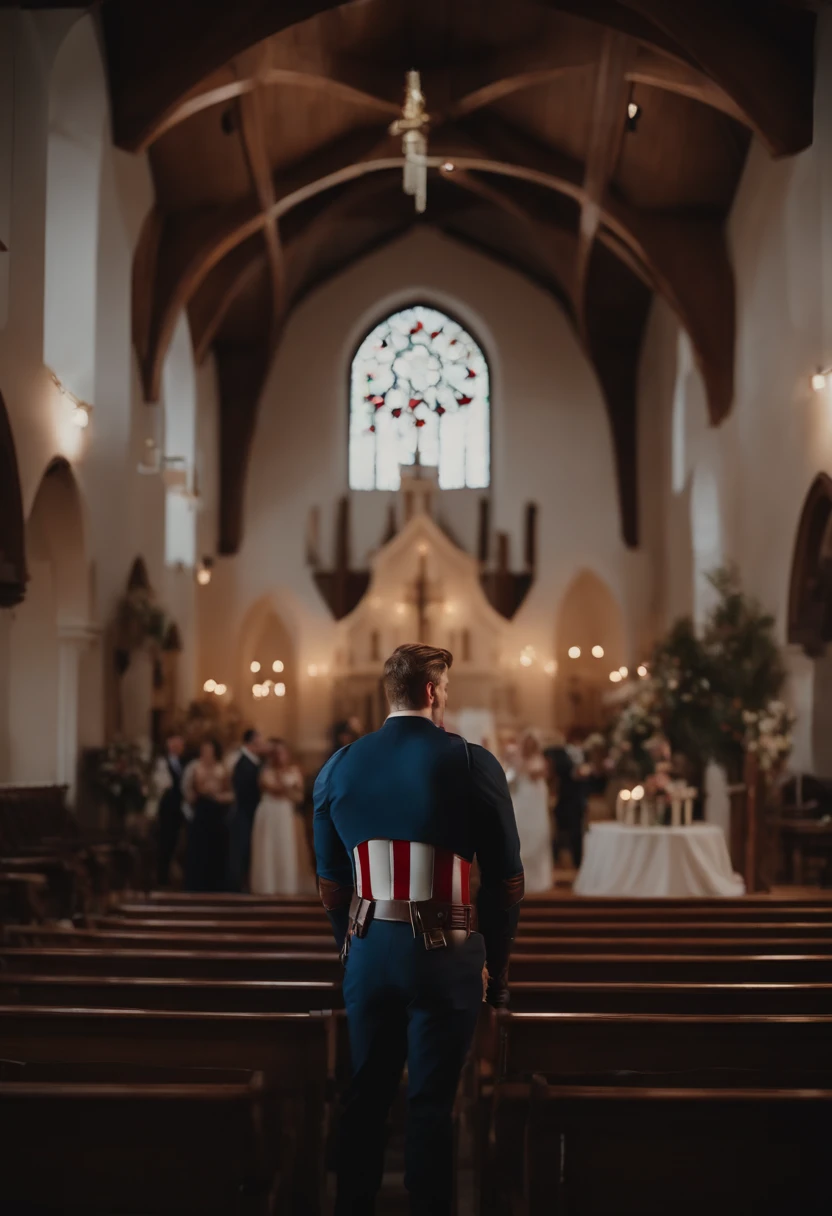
413	126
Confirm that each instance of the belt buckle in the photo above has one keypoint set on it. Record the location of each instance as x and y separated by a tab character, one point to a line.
435	939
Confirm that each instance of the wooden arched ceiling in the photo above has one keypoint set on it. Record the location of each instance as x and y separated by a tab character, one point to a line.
266	126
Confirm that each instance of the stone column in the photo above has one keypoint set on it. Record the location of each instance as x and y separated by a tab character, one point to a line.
73	637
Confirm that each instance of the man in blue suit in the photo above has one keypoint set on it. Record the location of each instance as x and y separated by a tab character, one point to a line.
399	817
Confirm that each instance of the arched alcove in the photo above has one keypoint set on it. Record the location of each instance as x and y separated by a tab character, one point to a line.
48	633
78	117
265	641
810	589
589	619
179	397
12	524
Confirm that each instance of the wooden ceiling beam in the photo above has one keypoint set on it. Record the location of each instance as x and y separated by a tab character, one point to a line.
218	291
697	288
770	81
254	138
606	134
159	52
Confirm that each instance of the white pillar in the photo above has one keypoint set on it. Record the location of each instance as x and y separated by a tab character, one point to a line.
73	636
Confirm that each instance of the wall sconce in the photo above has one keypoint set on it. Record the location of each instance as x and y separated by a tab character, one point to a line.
633	115
821	379
81	411
204	571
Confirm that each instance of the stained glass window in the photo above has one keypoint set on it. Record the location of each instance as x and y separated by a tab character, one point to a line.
420	385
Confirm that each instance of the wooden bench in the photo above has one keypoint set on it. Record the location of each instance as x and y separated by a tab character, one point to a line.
145	992
296	1054
648	1151
564	997
203	964
187	1142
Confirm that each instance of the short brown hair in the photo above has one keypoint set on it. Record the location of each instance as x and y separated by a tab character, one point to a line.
409	669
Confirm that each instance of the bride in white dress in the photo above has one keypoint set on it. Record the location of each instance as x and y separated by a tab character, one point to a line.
275	864
526	773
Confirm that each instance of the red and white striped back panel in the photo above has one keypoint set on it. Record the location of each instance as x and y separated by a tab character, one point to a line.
400	869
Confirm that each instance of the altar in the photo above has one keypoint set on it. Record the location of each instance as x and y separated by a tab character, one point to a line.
657	863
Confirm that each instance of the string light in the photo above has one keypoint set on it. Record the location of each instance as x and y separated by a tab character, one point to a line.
280	690
220	690
642	671
638	793
277	666
597	652
254	668
625	795
574	652
615	676
623	672
209	685
550	668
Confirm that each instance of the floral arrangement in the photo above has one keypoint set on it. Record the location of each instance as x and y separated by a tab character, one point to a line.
768	734
122	776
707	697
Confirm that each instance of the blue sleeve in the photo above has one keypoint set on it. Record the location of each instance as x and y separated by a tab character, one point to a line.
332	861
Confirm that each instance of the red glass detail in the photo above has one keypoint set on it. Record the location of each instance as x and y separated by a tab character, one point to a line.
420	422
396	413
436	333
413	402
372	430
417	327
440	409
472	375
453	342
376	400
464	400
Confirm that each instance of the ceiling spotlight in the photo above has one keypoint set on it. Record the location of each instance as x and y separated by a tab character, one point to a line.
597	652
820	378
615	676
574	652
254	668
209	685
633	115
277	666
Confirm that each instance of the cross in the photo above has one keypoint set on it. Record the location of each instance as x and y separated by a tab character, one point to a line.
422	596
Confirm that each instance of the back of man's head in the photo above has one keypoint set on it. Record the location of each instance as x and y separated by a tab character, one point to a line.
409	671
250	736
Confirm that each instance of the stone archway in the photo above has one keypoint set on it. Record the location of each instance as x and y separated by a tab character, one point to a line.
49	632
590	621
810	588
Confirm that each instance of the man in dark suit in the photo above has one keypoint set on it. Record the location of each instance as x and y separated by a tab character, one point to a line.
167	781
400	815
245	781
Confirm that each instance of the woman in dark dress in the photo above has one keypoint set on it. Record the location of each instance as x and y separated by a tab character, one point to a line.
205	863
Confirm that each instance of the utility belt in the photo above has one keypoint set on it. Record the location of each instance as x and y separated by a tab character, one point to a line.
429	918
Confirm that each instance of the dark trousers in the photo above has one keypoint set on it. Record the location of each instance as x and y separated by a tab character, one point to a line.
171	820
570	825
405	1004
240	824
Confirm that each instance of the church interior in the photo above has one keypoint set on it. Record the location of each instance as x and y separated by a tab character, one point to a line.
331	326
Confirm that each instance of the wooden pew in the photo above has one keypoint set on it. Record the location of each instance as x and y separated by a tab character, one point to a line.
204	964
557	996
183	1143
145	992
649	1151
49	935
295	1052
608	930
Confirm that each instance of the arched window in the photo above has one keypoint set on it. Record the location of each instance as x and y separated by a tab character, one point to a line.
419	387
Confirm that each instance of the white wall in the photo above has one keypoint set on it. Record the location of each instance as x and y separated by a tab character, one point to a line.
551	445
736	492
69	299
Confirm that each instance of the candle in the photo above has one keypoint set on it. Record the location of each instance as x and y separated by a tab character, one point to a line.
676	813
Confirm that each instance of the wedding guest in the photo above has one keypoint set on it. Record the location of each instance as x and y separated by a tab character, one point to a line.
570	805
166	783
245	781
275	865
526	775
205	865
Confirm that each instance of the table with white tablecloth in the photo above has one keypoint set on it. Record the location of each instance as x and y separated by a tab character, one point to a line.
655	863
